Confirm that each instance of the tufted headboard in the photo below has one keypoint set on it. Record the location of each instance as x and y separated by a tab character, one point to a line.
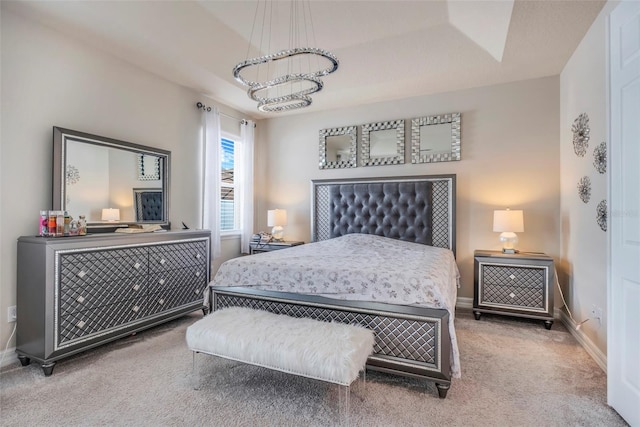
148	204
419	209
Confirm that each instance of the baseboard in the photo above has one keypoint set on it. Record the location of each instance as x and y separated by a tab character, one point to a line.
598	356
593	351
464	302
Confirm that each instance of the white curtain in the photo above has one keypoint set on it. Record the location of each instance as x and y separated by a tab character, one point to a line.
211	176
246	183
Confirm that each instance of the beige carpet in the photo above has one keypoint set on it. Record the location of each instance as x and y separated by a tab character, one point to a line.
514	373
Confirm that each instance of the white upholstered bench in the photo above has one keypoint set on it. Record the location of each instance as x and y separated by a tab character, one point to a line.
332	352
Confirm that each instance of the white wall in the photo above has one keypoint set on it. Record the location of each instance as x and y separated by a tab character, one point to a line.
510	158
49	79
583	244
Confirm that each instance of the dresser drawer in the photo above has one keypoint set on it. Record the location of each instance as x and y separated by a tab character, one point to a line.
178	255
183	277
97	267
84	323
172	298
81	298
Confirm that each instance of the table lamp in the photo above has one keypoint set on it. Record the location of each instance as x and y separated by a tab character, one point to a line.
508	222
111	214
276	218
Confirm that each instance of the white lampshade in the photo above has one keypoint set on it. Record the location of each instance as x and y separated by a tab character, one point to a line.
508	223
276	218
508	220
110	214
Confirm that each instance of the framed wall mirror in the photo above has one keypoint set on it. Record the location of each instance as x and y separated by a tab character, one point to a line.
383	143
338	148
435	138
92	173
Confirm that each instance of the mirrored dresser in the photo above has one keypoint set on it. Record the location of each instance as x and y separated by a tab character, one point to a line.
75	293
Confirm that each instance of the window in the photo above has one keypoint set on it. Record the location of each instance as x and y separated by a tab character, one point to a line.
229	215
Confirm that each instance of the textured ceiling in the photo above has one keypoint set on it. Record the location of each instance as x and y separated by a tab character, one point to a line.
387	49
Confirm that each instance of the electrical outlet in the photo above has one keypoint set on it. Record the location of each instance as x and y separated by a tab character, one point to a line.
596	313
12	314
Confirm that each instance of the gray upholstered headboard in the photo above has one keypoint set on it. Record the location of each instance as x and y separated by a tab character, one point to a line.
148	204
419	209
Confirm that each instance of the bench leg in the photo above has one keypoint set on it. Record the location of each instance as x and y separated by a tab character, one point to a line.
195	372
344	393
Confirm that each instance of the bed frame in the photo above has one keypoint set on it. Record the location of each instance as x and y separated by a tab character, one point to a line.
410	341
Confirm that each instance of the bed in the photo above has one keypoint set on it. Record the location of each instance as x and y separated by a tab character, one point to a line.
382	256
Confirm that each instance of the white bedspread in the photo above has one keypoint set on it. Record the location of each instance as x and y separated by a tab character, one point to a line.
360	267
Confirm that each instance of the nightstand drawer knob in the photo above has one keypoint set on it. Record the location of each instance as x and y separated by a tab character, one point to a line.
81	324
197	291
82	274
162	261
198	256
512	277
80	299
136	287
160	301
135	309
161	281
512	295
137	265
197	274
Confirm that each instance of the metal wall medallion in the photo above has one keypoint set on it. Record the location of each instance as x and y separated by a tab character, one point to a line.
383	143
601	215
72	175
581	137
600	157
584	189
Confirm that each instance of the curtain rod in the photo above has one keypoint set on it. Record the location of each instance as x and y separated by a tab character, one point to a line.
201	106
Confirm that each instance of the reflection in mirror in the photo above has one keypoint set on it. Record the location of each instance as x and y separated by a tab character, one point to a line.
92	173
338	148
435	138
383	143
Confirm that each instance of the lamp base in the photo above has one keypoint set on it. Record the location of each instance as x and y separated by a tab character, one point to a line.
277	233
508	239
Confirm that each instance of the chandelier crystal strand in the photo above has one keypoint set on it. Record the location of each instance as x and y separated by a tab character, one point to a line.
286	85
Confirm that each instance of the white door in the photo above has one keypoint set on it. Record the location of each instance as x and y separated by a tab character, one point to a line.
623	342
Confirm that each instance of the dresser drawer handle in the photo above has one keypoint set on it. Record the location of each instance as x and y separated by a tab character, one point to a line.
160	301
197	291
162	261
512	295
137	265
197	274
136	287
135	309
80	299
198	256
512	277
82	274
81	324
161	281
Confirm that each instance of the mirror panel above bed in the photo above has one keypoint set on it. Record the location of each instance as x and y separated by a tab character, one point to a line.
418	209
383	143
338	148
435	138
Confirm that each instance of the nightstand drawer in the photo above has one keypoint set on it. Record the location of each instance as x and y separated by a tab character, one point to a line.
513	296
506	275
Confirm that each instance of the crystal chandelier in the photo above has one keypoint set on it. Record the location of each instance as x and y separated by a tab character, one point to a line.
283	81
